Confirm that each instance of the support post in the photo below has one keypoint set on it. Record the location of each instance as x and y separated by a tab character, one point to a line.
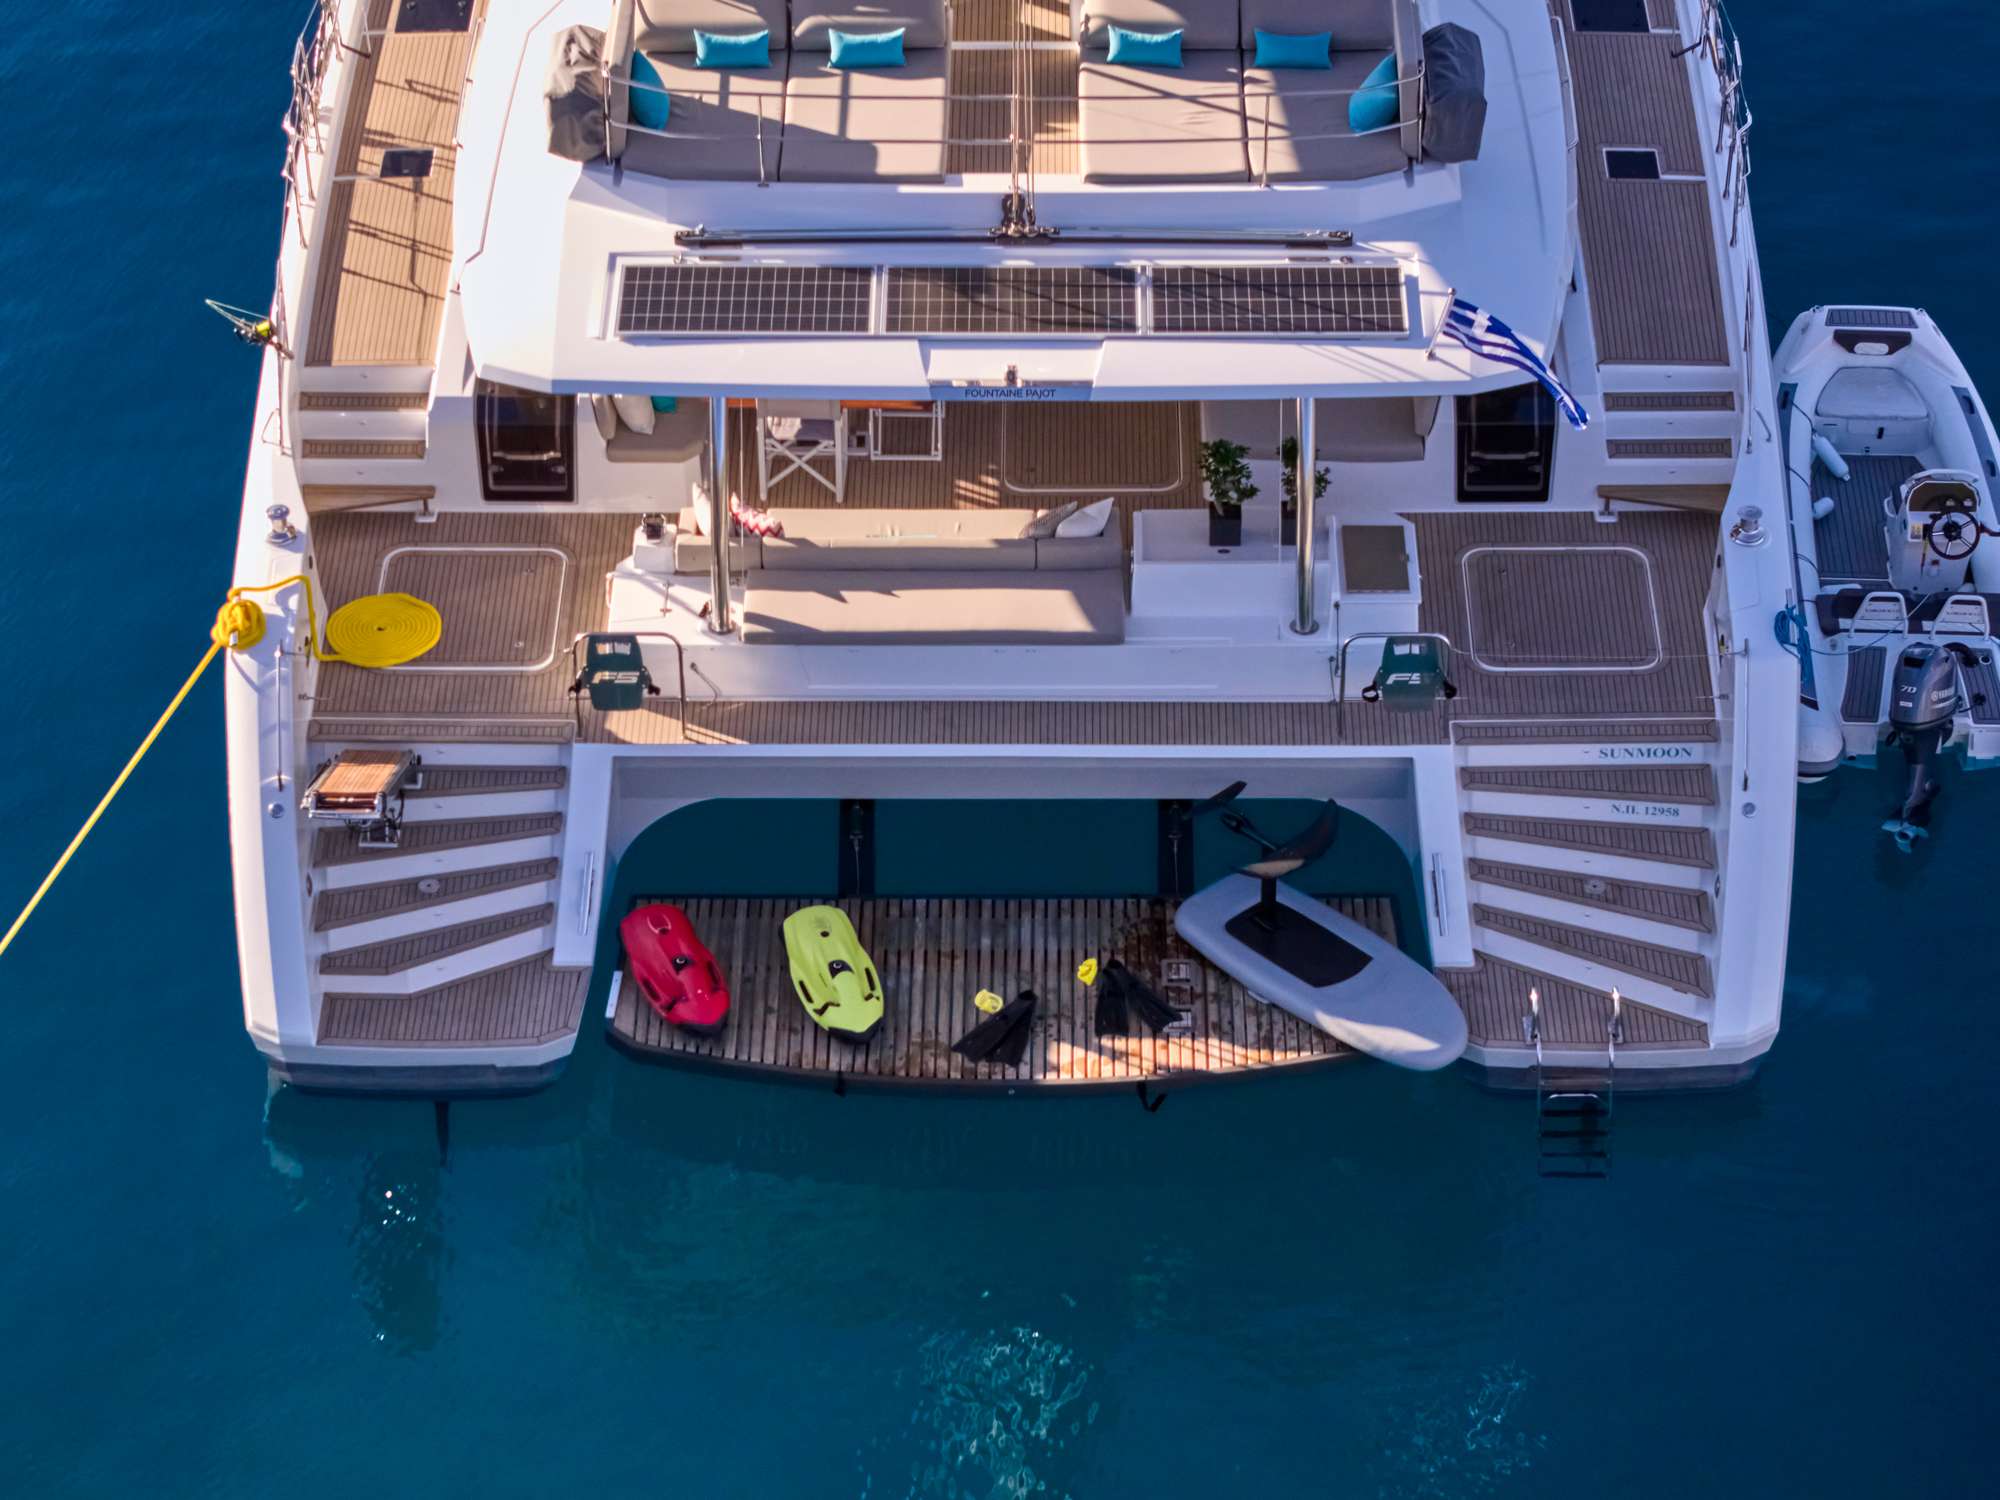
719	618
1306	622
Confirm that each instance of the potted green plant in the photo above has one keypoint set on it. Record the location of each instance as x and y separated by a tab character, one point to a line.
1225	476
1288	462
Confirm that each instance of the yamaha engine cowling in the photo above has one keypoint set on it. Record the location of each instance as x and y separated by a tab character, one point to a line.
1924	693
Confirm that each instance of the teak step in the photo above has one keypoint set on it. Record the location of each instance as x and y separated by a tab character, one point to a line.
1494	996
342	846
442	731
465	781
1668	448
363	400
1693	784
1674	905
367	903
1669	401
396	448
1687	972
1673	846
398	954
521	1003
1568	732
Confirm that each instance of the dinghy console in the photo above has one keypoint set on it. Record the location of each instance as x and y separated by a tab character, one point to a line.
1933	530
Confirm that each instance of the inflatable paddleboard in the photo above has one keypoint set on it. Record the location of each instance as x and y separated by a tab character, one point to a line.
1369	993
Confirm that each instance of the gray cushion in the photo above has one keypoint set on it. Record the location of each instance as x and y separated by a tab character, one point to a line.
670	25
1180	124
1206	25
798	554
1357	25
933	609
712	133
926	23
1079	554
677	435
1309	137
866	124
1373	429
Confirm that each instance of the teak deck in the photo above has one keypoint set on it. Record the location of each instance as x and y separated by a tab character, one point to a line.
386	252
933	954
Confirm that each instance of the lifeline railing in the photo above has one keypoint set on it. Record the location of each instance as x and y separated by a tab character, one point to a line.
1719	43
1255	113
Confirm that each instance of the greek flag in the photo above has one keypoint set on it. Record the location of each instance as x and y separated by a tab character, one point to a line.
1486	335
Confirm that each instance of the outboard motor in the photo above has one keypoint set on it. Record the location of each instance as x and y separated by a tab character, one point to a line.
1923	698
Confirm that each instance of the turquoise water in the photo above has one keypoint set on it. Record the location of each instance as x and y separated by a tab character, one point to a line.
639	1282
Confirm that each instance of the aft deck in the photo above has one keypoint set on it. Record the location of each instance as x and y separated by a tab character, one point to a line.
1553	616
933	955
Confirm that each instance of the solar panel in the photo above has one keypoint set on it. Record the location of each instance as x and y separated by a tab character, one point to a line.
1869	317
1012	299
745	299
1279	299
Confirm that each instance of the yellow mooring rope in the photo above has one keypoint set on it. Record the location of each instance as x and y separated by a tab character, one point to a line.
378	630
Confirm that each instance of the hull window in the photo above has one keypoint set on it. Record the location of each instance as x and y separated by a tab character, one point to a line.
527	443
1506	444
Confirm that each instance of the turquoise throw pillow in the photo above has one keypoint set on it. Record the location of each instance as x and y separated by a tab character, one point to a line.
650	106
665	405
1145	49
867	49
1374	103
1277	50
714	50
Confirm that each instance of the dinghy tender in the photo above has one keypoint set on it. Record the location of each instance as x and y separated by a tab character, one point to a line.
1299	954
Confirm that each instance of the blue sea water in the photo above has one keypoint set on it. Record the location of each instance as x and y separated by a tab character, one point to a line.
642	1282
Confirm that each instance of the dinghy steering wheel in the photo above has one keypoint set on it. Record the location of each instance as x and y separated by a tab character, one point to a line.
1954	532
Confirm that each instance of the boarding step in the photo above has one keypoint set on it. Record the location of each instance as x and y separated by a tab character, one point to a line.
1668	401
470	739
1675	450
1640	742
404	965
1665	783
361	449
352	380
465	791
1665	794
1690	848
340	859
375	429
1621	962
429	895
527	1002
1571	1018
364	400
1663	905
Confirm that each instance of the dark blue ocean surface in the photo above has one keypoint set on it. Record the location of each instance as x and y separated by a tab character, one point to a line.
643	1282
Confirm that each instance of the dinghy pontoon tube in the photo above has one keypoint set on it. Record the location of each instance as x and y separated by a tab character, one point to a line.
1304	957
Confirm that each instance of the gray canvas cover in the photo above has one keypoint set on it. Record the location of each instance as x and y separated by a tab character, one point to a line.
575	93
1455	93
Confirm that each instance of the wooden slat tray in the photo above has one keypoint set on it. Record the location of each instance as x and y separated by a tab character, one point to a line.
934	953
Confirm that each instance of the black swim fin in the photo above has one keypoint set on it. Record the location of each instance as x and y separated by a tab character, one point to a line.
1143	999
1003	1036
1114	1017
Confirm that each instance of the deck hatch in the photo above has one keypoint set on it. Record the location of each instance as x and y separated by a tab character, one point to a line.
1295	299
744	299
1012	299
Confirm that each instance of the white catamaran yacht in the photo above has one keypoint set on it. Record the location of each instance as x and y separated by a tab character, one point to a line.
878	407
